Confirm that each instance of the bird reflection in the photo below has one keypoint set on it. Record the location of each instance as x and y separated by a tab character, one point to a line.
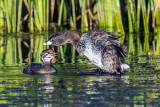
109	87
47	81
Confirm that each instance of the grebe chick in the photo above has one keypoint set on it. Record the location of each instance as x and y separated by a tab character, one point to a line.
45	67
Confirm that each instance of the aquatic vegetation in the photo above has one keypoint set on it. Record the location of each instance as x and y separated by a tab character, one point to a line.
114	16
10	17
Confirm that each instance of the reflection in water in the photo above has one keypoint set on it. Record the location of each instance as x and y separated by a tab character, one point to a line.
47	81
30	91
132	89
15	49
105	89
48	87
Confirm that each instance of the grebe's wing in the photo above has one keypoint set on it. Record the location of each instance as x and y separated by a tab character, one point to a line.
112	59
103	39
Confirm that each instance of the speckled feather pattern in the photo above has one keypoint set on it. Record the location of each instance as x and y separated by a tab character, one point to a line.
104	50
32	67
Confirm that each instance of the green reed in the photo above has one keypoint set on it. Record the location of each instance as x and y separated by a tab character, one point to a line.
73	55
158	44
64	20
158	16
100	13
131	15
10	54
30	9
157	28
39	14
83	12
109	15
118	16
8	14
145	15
62	53
139	47
105	14
38	47
146	43
12	14
60	13
19	3
1	15
131	47
74	13
10	50
2	49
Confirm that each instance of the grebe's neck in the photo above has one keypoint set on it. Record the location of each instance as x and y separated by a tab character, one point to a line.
45	63
73	36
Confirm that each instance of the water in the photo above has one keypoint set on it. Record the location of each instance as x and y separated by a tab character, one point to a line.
139	86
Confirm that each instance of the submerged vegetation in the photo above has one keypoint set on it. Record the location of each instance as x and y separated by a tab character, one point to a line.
113	15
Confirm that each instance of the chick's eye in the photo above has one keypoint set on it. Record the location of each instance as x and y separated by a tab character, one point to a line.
53	40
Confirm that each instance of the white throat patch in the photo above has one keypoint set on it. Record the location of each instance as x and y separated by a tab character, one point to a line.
48	58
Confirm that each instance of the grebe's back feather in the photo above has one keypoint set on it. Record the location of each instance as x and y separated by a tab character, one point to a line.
100	40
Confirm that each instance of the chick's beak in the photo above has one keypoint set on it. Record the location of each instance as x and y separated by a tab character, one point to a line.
53	54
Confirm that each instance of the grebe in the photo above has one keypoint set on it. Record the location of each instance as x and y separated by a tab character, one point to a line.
45	67
101	48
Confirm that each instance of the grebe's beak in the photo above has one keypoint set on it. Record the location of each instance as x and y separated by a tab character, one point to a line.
47	43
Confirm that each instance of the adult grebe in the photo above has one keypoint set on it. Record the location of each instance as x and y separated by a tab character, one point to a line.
101	48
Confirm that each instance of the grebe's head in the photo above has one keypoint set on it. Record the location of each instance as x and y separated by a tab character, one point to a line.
62	38
47	55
